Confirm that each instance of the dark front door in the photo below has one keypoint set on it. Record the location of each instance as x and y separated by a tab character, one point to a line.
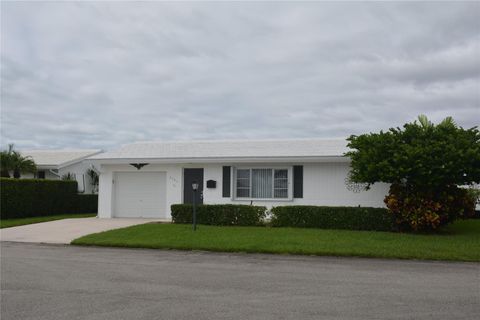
189	176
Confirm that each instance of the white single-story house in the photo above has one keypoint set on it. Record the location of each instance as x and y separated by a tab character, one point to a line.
145	179
53	164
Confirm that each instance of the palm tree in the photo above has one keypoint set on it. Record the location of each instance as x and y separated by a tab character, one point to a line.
448	122
93	174
6	163
68	176
424	122
22	164
12	160
427	124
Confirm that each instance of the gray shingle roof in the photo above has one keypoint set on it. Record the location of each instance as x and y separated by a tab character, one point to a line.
228	149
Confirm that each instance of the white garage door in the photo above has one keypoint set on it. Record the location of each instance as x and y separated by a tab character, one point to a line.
140	195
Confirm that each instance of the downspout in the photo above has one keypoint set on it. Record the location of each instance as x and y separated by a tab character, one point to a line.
83	191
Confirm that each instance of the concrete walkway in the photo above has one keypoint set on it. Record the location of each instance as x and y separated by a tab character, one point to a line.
66	230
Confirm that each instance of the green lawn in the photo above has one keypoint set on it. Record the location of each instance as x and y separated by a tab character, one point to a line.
7	223
460	241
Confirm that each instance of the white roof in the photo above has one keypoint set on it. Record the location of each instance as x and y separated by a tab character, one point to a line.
59	158
227	150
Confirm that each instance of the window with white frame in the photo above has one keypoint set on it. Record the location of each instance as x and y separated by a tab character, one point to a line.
261	183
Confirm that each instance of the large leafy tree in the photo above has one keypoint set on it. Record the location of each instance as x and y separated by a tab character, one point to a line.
13	161
424	163
421	154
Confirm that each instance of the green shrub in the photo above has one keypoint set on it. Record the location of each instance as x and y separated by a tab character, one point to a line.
220	214
85	203
351	218
38	197
427	210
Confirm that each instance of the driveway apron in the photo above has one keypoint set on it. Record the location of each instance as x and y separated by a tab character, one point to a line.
66	230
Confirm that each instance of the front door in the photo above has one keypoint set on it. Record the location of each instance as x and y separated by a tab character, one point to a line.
189	176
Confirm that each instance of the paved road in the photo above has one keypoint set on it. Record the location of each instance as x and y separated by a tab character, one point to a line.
65	230
65	282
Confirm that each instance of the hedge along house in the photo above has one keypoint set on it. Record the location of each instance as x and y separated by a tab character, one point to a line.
145	179
53	164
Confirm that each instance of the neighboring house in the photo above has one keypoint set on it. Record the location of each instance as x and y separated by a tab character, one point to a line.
145	179
53	164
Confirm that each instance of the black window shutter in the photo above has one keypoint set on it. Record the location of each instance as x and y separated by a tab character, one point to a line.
298	181
226	182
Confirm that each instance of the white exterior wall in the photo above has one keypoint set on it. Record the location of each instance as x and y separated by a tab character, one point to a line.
323	184
79	169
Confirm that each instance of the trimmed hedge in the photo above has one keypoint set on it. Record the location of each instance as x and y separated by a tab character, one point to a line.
220	214
85	203
476	215
351	218
21	198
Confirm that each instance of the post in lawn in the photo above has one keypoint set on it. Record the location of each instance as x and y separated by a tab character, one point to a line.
195	188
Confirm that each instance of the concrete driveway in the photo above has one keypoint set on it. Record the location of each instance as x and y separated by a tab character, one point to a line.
67	282
66	230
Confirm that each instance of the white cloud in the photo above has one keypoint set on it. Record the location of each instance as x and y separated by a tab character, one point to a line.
102	74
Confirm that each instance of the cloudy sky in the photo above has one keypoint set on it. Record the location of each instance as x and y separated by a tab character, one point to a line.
101	74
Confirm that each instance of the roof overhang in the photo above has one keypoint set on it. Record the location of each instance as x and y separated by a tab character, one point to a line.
49	166
221	160
85	158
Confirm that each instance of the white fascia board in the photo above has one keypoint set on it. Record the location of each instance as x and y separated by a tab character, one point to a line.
223	160
68	163
47	167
